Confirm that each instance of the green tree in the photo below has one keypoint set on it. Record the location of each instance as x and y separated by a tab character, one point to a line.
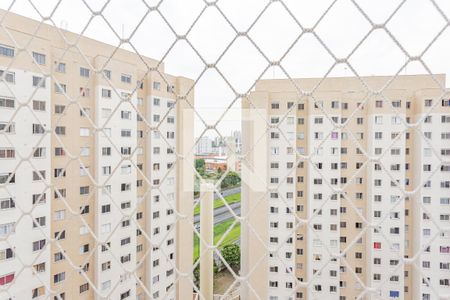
197	274
199	163
219	171
200	166
232	179
232	255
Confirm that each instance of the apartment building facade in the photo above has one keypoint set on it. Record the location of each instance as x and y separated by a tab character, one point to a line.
95	146
357	198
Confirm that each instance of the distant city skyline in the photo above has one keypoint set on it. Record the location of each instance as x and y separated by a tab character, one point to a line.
218	144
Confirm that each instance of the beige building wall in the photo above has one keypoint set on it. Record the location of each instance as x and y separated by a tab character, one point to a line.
254	252
356	270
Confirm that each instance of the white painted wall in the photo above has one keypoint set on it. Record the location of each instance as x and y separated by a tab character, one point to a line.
118	272
24	141
157	277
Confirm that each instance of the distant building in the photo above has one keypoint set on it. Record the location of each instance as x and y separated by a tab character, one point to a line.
236	135
220	144
204	146
232	155
214	163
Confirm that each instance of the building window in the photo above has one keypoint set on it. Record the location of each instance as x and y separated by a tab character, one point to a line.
106	151
396	103
85	112
84	288
39	198
7	228
7	203
84	151
7	51
125	259
6	127
273	283
125	114
106	93
125	150
38	105
394	294
106	208
59	215
59	277
39	58
38	245
84	190
39	152
107	74
6	254
125	187
106	266
7	102
38	175
125	78
84	131
39	268
125	169
7	153
60	67
6	279
106	170
38	82
7	178
106	285
85	92
9	76
84	72
60	88
125	241
59	109
84	248
60	130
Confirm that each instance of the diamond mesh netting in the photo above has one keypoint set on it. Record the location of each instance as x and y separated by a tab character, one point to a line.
98	186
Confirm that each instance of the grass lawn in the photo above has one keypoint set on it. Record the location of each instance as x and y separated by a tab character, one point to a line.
219	203
219	231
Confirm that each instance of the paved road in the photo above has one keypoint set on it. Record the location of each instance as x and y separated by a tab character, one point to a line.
230	192
225	193
222	214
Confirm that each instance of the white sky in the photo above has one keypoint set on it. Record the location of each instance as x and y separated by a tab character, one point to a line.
416	23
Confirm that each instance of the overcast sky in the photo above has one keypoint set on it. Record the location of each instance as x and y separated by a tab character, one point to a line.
415	24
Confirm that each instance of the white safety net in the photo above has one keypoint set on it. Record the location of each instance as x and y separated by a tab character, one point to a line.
332	248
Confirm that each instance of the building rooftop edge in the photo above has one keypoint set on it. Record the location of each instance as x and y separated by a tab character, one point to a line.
26	23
